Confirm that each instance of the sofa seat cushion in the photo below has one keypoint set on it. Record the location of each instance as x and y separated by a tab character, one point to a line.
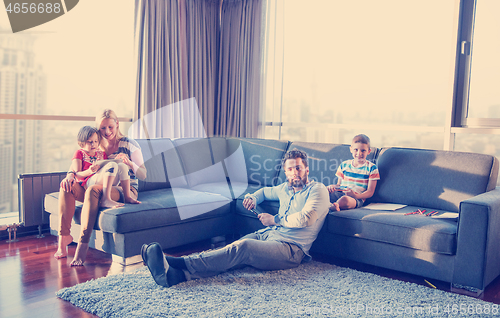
414	231
159	208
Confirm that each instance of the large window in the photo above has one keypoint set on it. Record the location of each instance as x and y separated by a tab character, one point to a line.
75	65
381	67
88	58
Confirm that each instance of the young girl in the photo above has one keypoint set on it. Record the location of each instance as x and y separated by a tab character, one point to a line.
88	171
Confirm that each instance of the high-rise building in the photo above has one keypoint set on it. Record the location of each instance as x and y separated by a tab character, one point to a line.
22	91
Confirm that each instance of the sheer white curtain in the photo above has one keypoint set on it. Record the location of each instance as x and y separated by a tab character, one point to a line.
209	51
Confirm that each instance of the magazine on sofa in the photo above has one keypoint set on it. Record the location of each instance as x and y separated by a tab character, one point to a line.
384	206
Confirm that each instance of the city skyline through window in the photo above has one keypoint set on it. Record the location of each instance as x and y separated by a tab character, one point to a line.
75	65
359	65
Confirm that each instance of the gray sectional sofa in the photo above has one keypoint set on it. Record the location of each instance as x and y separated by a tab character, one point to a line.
195	187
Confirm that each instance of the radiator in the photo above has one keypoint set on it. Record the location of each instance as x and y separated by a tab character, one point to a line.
32	188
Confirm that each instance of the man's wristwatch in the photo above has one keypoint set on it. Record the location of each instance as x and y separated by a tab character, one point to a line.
277	219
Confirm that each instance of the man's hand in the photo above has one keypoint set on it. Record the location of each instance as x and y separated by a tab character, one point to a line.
248	204
266	219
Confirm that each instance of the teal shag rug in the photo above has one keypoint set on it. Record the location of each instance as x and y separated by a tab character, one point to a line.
311	290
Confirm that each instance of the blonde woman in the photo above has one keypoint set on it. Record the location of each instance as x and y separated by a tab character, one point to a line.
116	146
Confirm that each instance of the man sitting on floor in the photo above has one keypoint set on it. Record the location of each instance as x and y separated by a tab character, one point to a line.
283	244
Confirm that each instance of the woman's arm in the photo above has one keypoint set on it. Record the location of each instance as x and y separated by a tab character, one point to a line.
135	162
138	164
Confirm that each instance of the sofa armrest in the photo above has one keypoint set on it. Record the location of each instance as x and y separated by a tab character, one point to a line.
478	241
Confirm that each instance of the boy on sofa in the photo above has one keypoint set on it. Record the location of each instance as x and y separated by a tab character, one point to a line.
357	178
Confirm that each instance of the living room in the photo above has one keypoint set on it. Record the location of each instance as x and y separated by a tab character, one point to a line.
317	73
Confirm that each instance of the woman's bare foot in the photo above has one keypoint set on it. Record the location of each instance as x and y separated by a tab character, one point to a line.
132	200
80	254
334	206
108	203
62	246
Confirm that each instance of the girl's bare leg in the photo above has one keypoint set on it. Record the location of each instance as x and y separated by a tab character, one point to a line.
106	200
123	173
107	177
128	195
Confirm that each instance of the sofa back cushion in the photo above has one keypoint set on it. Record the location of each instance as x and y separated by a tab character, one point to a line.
163	165
433	179
262	159
324	160
218	147
231	155
196	156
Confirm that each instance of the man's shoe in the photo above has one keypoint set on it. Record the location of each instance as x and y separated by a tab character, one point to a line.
152	256
143	253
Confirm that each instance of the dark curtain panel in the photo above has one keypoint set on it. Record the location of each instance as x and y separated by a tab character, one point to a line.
177	58
198	68
240	78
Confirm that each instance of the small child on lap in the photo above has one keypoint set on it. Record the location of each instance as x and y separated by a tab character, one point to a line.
88	172
357	178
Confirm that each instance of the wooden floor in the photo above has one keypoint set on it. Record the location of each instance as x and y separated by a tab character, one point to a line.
30	276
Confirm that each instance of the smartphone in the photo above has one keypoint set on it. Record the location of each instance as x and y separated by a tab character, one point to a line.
255	211
341	188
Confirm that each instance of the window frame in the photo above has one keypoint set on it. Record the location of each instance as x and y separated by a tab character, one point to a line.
469	15
463	73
